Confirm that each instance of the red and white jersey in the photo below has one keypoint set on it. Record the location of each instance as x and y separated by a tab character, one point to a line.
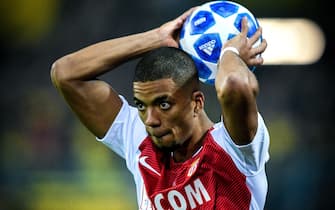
220	175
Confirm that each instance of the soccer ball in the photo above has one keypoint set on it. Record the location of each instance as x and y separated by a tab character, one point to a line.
207	29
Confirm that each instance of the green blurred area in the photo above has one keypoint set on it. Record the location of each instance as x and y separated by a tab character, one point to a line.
40	178
95	190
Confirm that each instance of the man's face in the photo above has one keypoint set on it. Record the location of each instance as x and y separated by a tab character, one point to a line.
166	111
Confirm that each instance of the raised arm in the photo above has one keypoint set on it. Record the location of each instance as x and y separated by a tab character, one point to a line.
95	102
237	86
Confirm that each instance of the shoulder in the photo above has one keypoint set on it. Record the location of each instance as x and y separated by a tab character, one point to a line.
220	133
249	158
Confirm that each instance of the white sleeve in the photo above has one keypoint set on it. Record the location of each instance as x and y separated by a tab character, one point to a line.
125	134
250	158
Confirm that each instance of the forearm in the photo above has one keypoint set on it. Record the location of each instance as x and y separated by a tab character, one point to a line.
96	59
236	90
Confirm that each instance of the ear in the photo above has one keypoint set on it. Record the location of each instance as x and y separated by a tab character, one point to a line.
199	99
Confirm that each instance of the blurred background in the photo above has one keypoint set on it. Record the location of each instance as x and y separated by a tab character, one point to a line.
49	161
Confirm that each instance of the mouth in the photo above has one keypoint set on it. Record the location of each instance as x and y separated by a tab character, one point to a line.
159	135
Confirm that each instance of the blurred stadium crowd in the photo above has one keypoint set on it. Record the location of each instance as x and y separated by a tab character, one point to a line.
49	161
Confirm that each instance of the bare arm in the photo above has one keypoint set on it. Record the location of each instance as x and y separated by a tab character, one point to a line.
95	102
237	86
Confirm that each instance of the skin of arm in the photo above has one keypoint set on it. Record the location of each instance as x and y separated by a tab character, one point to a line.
237	86
75	75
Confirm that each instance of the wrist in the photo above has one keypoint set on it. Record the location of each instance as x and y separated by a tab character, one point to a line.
231	49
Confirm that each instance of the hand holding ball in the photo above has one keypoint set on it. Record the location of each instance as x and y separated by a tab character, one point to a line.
208	28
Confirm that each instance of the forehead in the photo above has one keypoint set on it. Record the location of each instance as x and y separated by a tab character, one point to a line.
153	89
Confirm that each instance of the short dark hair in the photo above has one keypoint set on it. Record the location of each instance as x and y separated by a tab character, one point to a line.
166	62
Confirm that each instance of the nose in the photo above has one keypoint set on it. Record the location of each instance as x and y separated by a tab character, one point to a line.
151	117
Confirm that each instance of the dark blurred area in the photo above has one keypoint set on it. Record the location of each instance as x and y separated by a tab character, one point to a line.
50	161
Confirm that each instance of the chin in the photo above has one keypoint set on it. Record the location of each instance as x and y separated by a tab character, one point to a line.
164	145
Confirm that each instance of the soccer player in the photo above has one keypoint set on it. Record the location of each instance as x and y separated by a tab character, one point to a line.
179	158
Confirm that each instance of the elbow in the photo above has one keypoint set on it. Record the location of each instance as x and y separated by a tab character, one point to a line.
235	87
59	72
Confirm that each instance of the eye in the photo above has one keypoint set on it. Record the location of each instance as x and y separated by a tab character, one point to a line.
165	105
140	106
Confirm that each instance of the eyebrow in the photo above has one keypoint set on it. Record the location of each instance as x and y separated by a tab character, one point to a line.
158	99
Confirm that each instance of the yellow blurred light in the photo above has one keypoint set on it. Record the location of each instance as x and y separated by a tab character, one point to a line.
27	21
292	41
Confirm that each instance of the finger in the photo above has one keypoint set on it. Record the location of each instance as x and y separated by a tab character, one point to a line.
254	38
182	18
256	61
260	48
188	13
245	28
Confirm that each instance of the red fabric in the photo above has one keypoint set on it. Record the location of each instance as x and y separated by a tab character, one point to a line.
209	180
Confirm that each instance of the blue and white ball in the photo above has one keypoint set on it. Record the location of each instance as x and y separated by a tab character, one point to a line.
208	28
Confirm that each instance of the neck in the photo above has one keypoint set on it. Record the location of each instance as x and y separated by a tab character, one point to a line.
194	143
